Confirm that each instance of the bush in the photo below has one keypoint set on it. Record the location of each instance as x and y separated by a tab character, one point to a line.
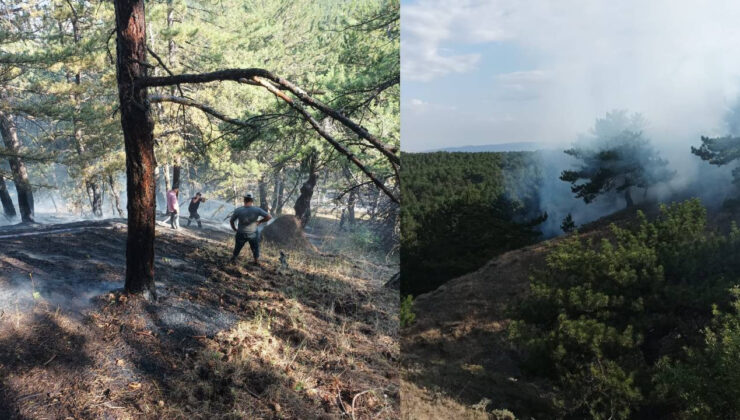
599	318
706	383
407	314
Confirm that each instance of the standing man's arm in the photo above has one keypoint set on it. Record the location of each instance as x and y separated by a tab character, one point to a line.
233	218
265	217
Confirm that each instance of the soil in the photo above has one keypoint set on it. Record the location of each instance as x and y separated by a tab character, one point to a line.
317	338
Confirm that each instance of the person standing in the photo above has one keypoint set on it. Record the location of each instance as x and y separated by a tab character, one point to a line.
173	208
249	219
193	209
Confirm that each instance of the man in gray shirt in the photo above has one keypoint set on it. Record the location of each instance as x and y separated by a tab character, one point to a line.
249	218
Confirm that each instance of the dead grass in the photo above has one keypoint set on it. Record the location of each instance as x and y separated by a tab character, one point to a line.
318	339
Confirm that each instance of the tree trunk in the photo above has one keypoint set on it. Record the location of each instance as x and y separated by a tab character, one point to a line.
262	187
114	193
176	176
628	198
138	128
91	184
97	198
277	181
20	175
166	173
8	207
351	208
303	203
280	195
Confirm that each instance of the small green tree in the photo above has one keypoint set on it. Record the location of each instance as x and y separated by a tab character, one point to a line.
407	314
568	224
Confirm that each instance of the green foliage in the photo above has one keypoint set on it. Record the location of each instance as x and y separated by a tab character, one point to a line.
720	151
616	158
568	225
706	380
462	209
599	318
407	314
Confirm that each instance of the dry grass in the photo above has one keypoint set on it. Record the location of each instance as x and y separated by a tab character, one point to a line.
318	339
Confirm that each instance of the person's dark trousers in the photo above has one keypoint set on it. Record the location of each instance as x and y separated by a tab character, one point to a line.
196	216
254	243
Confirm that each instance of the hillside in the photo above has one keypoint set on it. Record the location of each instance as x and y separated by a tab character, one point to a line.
315	339
457	361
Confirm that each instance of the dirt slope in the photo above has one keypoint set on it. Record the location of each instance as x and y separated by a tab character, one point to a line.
316	339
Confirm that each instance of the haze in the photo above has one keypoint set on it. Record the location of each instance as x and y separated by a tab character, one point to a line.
487	72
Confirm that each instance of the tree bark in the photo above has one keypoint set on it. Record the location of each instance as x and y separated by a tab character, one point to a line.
276	187
138	128
176	176
302	205
167	183
262	187
97	198
8	207
114	193
18	168
351	208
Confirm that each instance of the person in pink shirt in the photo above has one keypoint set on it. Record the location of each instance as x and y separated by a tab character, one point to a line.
173	208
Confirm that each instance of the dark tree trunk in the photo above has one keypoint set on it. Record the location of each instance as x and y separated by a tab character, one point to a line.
262	187
20	176
303	203
276	189
114	193
167	184
8	207
351	208
351	198
176	176
138	127
97	198
628	198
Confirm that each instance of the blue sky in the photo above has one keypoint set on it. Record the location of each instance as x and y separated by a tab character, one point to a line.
500	71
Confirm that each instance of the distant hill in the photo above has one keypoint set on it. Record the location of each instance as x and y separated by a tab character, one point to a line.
526	146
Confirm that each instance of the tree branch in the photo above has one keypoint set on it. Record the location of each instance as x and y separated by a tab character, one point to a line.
248	76
205	108
315	124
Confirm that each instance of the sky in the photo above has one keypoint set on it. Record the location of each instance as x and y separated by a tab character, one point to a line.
502	71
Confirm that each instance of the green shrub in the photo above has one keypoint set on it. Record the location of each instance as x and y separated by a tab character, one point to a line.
600	317
706	381
407	314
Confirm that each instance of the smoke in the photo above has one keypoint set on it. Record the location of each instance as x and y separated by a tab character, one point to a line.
693	177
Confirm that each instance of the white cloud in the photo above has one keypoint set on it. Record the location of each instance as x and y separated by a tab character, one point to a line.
429	25
521	85
670	60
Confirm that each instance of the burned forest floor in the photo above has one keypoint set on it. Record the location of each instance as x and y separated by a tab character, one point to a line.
317	338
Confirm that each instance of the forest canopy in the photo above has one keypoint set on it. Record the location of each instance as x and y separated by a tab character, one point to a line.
462	209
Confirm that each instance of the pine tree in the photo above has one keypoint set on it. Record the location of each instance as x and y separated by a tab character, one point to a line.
616	158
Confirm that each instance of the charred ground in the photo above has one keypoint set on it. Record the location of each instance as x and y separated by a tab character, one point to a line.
316	338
